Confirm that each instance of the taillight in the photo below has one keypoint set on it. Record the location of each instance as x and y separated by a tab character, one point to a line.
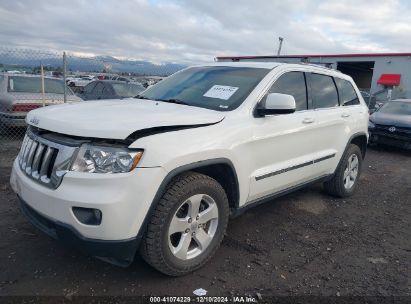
24	107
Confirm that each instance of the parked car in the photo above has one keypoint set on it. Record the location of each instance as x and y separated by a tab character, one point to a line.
80	81
108	89
162	173
391	124
120	78
22	93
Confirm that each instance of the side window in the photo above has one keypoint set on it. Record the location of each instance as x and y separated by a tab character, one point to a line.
107	91
98	89
292	83
323	90
348	96
89	88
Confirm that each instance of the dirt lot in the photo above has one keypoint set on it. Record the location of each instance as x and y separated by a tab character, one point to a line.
305	243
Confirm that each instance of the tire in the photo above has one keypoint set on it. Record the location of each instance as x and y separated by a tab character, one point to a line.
342	185
163	248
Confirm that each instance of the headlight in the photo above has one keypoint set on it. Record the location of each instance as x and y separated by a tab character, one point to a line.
371	125
101	159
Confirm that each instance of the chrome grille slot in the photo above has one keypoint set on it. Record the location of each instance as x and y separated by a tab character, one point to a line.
46	162
43	160
30	156
37	160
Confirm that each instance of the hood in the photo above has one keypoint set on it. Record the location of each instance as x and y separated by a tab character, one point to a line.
117	119
391	119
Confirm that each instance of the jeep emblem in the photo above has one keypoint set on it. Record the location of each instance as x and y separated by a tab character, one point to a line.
34	120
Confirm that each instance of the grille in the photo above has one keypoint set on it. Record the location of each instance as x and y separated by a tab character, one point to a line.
398	130
43	160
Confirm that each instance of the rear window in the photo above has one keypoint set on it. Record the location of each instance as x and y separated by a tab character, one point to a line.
324	92
23	84
348	96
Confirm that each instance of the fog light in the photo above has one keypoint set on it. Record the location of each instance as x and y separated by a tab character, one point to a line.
88	216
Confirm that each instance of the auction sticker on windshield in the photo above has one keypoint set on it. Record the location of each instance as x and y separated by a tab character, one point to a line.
220	92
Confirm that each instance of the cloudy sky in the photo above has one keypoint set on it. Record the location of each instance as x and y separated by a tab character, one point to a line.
187	31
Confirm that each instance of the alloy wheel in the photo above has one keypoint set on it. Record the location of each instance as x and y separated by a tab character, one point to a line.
193	226
351	171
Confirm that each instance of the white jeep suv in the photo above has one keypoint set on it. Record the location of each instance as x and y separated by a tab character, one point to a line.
162	173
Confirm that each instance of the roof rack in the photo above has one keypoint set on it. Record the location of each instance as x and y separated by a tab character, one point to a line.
319	66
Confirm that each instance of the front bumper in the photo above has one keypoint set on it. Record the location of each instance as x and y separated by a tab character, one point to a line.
120	253
123	199
389	139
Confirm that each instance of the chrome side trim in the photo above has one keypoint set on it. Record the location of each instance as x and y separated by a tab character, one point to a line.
311	162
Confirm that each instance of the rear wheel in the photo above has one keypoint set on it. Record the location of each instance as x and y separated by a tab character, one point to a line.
187	225
346	176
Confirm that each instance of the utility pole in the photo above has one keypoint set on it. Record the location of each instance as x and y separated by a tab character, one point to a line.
65	76
280	45
42	85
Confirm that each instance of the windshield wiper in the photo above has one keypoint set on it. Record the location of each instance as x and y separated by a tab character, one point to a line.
140	97
173	100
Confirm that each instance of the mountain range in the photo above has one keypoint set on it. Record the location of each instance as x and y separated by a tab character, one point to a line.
12	59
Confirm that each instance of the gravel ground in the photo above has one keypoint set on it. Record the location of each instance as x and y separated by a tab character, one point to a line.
305	243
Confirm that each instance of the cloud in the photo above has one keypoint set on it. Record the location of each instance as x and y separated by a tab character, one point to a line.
187	31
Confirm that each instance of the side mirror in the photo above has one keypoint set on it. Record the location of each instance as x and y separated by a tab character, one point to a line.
276	103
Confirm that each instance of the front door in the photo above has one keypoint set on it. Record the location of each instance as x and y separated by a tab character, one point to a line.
282	146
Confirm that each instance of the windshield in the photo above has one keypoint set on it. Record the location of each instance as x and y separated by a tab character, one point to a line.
216	88
23	84
127	89
396	107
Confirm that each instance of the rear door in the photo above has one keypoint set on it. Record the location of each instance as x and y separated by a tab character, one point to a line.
282	144
333	123
351	103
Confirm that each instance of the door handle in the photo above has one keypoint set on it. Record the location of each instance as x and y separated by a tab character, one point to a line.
308	120
345	115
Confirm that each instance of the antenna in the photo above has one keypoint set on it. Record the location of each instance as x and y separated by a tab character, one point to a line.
280	45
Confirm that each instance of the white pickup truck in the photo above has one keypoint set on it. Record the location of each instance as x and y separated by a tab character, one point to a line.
160	174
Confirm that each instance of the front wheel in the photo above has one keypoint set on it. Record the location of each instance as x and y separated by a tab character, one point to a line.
347	174
187	225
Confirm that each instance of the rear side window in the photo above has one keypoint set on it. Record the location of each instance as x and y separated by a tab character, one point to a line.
292	83
323	90
348	96
23	84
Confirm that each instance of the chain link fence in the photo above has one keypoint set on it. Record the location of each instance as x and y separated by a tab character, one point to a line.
30	79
